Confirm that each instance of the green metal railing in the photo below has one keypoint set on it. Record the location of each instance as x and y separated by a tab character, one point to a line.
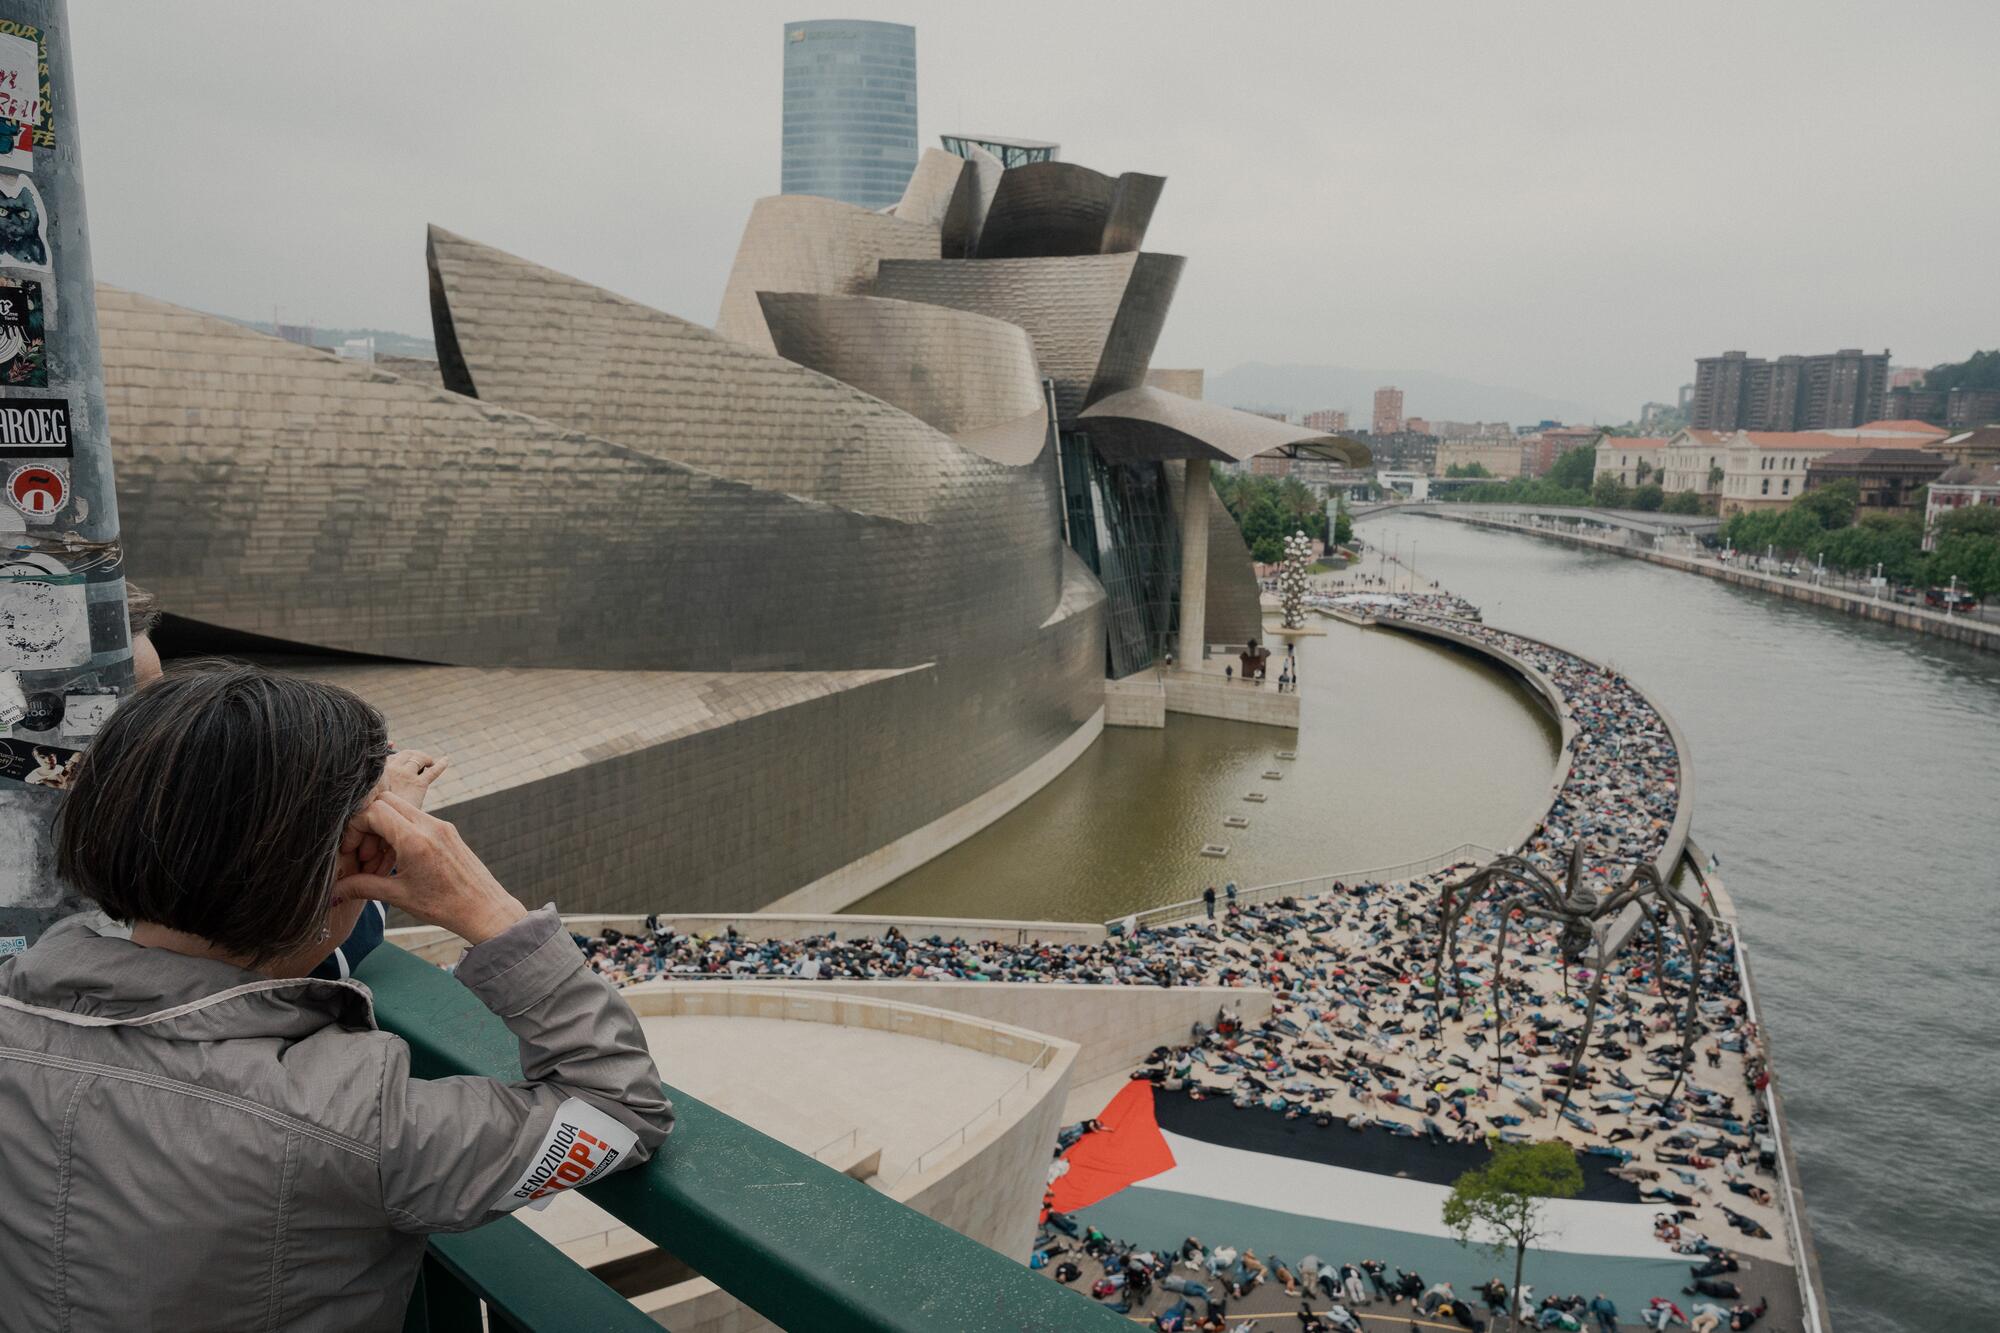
802	1244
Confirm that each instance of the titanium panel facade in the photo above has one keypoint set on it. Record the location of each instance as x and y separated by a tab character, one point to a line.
727	792
1045	209
849	678
643	378
968	375
1146	422
1091	316
273	490
850	113
796	243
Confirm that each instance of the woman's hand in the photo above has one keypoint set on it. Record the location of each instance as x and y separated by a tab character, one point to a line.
409	774
438	880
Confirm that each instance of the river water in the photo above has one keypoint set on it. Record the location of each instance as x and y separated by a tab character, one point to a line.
1403	750
1847	775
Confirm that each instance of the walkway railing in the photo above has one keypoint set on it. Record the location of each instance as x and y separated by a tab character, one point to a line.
958	1138
795	1240
1189	908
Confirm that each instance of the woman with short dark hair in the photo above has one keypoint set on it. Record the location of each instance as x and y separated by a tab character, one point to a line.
212	1138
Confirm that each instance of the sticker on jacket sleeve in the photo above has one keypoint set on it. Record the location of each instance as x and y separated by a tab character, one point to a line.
582	1144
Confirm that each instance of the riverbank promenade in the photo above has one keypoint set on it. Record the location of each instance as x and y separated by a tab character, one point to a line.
1975	631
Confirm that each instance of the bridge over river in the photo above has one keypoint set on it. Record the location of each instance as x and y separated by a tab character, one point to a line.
1642	522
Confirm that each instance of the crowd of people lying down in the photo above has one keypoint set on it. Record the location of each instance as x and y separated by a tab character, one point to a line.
1357	1040
1623	786
1384	602
1192	1287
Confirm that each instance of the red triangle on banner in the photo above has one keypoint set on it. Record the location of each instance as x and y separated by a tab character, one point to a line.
1129	1149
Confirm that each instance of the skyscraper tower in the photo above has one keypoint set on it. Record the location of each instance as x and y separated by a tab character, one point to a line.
1388	410
850	129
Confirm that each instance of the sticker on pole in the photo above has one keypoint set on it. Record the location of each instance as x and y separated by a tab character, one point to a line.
34	428
583	1144
24	358
33	764
25	119
44	619
38	490
24	225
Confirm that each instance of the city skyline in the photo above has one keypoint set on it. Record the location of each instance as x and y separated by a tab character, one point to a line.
1631	240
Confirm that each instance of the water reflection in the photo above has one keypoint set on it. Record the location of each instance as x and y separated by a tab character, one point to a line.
1404	749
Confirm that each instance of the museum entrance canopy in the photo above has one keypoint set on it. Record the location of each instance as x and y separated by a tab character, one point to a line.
1151	424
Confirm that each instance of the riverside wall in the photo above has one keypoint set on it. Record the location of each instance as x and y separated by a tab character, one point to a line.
1957	629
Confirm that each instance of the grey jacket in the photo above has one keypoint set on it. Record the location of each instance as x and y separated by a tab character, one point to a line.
186	1145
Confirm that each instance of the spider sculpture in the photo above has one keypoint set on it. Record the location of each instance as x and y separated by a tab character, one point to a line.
1586	921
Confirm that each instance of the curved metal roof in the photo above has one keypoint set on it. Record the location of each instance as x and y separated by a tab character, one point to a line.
1152	423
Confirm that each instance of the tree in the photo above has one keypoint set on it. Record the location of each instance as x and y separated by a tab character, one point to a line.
1682	502
1343	525
1500	1204
1643	471
1981	370
1974	561
1610	493
1970	521
1267	550
1467	470
1575	468
1831	505
1648	497
1715	474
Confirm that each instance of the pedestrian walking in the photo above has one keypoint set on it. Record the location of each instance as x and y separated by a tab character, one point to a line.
1208	901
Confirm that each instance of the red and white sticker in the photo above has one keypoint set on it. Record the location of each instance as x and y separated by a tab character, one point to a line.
582	1144
38	490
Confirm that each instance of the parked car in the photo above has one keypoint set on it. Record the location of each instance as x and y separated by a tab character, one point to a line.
1908	596
1950	599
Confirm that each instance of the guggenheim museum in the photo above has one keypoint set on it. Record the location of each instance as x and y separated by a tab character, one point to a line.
714	620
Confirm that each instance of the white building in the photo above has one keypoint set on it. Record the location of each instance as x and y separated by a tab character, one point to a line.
1634	461
1690	460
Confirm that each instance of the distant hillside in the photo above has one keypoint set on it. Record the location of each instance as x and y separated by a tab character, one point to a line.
387	341
1425	394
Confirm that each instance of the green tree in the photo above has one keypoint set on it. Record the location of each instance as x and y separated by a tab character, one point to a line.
1831	505
1970	521
1641	472
1575	468
1270	507
1610	493
1267	550
1715	474
1972	559
1500	1204
1682	502
1981	370
1467	470
1343	525
1648	497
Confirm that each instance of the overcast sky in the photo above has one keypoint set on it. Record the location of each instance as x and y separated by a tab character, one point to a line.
1573	199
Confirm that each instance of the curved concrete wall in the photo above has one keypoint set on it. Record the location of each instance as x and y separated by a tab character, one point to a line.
988	1188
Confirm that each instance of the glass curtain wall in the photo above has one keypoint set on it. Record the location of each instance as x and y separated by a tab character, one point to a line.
1121	521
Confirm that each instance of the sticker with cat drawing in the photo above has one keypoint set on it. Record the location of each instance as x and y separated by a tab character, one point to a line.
24	225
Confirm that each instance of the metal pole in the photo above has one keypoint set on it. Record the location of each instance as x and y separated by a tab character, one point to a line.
65	651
